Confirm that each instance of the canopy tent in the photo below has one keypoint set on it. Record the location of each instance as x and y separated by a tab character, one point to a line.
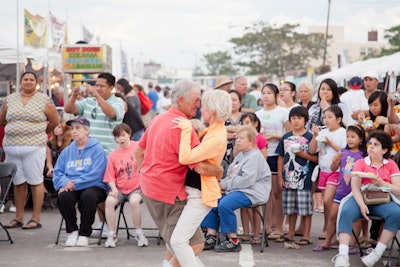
387	65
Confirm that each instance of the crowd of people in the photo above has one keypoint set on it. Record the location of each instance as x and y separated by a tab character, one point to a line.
271	146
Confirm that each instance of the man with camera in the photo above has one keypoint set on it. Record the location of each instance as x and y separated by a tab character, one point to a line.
102	108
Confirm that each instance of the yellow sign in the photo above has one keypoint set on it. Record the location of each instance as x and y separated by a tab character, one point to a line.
85	58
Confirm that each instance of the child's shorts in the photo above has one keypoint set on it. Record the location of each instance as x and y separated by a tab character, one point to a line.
126	197
273	164
297	201
326	178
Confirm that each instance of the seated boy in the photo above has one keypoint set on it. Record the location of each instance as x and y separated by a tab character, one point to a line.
248	182
124	184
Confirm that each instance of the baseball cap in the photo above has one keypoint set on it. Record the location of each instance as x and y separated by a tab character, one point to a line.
355	83
79	119
370	74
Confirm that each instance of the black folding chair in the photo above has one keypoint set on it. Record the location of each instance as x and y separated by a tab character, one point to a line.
121	215
7	172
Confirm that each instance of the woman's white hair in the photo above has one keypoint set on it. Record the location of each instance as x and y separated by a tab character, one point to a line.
307	85
218	101
182	88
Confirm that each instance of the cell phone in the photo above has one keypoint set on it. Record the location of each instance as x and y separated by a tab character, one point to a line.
82	88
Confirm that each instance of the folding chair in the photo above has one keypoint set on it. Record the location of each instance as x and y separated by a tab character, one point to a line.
7	171
263	216
63	228
127	228
389	249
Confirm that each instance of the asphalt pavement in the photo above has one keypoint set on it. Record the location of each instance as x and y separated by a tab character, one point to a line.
37	248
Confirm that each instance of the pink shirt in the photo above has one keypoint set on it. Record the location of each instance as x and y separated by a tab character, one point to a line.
120	169
385	172
162	177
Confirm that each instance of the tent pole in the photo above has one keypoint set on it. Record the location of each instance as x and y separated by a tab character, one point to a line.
17	65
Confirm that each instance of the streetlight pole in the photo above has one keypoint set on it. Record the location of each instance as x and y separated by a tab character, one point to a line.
326	32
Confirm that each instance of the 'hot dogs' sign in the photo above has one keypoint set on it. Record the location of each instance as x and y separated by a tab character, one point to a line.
86	58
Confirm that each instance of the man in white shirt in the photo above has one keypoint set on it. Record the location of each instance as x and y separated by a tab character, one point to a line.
354	98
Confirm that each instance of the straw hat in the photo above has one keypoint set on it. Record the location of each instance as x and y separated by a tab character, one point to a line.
222	80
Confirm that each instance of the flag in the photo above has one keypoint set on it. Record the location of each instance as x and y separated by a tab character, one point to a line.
124	65
87	35
35	30
58	33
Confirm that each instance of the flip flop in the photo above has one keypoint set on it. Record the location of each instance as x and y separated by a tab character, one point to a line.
303	242
273	236
35	226
283	239
322	236
354	250
320	248
256	240
14	224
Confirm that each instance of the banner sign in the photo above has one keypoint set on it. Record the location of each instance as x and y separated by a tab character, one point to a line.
86	58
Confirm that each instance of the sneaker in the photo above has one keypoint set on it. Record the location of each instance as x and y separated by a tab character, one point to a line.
12	208
341	260
83	241
228	246
111	242
97	229
1	208
210	242
71	239
142	240
370	259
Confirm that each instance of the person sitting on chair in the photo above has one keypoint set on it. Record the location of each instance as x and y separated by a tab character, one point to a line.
78	176
247	183
378	170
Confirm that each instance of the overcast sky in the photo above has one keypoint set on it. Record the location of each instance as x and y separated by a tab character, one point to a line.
177	32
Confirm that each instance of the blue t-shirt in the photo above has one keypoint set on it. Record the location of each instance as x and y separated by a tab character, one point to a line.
296	170
154	97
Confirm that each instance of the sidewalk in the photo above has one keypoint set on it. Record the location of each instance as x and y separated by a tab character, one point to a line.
36	248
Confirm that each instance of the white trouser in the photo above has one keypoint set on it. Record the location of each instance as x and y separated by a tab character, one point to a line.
190	219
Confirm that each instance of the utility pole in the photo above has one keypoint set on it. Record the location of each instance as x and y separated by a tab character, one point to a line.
326	32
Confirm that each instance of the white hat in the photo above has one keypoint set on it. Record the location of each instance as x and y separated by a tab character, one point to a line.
371	74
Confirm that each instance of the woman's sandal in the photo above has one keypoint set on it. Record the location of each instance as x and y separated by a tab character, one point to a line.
283	239
320	248
14	224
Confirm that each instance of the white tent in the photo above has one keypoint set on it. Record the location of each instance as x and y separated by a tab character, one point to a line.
383	65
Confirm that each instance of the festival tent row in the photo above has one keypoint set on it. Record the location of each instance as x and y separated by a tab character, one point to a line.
386	67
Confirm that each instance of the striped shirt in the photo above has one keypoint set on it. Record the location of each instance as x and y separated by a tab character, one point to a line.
101	126
26	124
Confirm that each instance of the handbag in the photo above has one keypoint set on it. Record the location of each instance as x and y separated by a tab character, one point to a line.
145	103
374	197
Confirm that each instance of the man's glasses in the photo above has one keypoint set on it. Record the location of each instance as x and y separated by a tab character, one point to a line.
94	113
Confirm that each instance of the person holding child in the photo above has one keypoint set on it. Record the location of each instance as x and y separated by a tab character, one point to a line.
345	160
295	164
248	183
123	181
378	171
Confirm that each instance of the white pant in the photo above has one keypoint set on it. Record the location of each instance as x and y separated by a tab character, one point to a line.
190	219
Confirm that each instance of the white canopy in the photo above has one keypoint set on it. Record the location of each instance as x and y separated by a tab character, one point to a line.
382	65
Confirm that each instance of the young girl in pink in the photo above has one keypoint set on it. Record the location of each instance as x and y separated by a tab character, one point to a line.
328	143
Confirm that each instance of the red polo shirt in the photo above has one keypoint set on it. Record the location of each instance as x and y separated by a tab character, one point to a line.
162	177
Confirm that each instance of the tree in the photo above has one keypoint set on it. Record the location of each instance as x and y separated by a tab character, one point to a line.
219	63
265	49
393	36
